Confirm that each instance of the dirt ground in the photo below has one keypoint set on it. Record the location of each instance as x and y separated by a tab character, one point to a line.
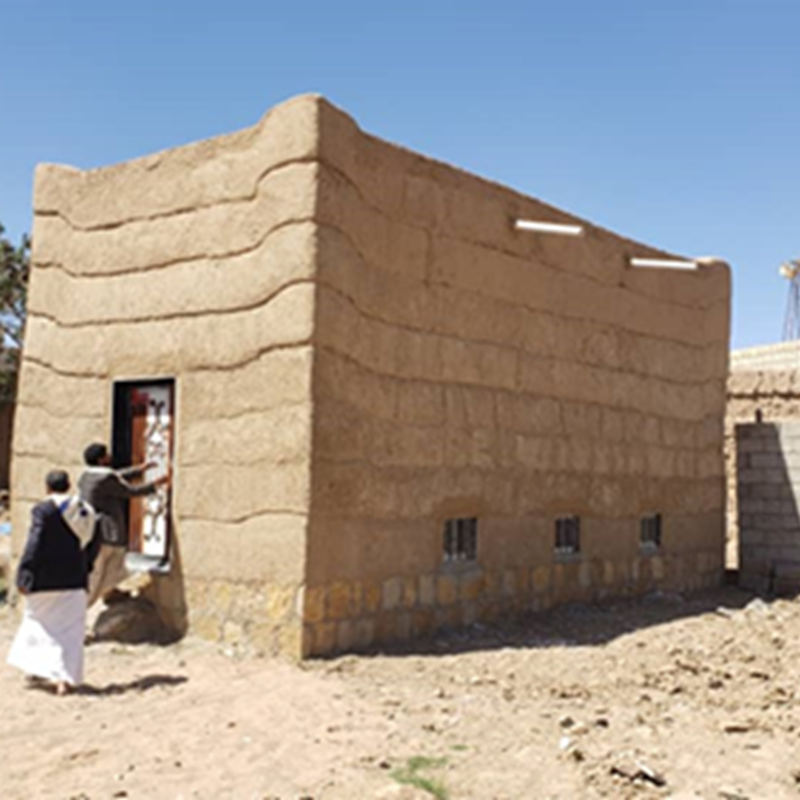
668	697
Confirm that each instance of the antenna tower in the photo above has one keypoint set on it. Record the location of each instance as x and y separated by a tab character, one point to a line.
791	322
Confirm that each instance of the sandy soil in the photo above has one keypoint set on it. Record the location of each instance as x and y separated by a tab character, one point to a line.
663	698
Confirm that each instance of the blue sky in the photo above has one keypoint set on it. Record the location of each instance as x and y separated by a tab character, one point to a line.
676	122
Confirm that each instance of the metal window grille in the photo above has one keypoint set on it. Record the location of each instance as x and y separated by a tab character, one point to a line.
568	535
460	541
650	532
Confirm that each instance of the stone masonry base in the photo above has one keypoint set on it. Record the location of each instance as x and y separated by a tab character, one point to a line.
354	616
299	622
255	618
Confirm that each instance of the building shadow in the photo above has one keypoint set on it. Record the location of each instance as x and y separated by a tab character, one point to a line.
575	625
157	613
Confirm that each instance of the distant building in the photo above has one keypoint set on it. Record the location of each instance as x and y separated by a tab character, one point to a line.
388	409
763	466
782	357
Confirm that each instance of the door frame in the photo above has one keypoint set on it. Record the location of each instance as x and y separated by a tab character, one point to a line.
121	439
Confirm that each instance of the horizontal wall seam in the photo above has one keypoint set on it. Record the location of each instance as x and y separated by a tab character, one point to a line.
56	414
175	261
516	469
196	370
299	460
247	412
267	512
169	317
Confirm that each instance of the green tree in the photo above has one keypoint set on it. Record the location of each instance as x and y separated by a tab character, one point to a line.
14	271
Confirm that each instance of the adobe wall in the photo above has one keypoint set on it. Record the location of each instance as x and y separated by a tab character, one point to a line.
363	348
196	263
464	369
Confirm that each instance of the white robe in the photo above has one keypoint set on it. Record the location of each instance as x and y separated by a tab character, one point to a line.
49	642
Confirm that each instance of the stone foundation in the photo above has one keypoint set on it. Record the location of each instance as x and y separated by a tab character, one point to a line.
253	618
356	615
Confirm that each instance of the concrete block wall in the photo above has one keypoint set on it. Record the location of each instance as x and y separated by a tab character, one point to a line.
772	396
768	468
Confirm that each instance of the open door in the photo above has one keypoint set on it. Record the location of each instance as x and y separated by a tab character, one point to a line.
144	420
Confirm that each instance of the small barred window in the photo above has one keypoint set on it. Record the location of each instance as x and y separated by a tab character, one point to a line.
568	535
460	542
650	532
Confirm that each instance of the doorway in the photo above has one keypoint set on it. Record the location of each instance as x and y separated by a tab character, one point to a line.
143	432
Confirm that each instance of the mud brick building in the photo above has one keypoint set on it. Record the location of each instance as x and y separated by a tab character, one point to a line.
386	408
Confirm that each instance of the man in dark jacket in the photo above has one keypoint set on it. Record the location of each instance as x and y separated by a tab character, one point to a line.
108	491
53	575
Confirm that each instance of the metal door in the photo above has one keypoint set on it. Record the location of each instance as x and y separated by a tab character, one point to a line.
143	433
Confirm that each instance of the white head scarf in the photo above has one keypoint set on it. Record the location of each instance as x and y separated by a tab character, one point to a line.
78	514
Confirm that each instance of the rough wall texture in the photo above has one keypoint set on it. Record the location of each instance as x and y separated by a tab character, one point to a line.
363	348
770	395
195	263
462	369
768	458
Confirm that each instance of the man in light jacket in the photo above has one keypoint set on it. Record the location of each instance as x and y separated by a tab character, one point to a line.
108	491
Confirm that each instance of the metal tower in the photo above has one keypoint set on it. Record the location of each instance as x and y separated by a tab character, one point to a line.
791	322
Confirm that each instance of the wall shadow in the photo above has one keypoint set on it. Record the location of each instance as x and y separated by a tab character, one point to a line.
157	614
575	625
167	592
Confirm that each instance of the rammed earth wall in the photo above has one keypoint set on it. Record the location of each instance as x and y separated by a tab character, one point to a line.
363	348
463	369
198	264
